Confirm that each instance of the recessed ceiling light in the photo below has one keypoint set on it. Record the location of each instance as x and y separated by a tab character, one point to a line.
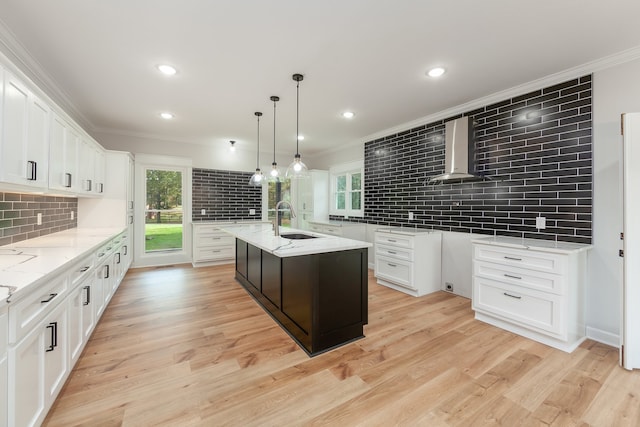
300	137
167	69
348	114
166	116
436	72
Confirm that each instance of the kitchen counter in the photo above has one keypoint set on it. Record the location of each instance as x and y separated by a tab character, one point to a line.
536	244
316	289
25	264
262	236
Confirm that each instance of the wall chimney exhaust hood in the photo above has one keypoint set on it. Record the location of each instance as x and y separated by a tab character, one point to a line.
459	152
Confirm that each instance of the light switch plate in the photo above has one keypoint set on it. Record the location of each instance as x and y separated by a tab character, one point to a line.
410	216
39	219
203	212
252	211
541	223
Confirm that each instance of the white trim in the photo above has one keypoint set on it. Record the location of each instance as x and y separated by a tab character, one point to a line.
603	337
562	76
142	163
348	169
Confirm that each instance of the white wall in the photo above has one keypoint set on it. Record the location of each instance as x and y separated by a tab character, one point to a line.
616	91
203	156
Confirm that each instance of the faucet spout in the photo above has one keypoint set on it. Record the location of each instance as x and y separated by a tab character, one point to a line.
276	221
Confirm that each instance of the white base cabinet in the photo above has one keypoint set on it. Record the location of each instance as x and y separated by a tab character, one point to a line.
348	230
211	246
537	292
4	380
48	329
409	260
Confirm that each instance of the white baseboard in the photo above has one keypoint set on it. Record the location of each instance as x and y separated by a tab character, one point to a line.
603	337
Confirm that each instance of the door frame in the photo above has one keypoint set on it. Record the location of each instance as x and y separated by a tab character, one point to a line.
180	164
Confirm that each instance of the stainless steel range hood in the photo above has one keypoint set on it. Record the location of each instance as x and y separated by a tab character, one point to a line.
459	152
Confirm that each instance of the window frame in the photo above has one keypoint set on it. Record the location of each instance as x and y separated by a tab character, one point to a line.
348	170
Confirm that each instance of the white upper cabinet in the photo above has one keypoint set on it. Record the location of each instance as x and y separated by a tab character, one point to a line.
25	136
63	175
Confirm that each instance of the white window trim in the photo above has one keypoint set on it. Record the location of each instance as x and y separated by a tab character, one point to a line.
348	168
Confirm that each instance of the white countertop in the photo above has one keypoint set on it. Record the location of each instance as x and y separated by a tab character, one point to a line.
261	236
407	230
535	244
25	264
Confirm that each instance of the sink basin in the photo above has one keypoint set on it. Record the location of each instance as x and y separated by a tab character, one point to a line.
297	236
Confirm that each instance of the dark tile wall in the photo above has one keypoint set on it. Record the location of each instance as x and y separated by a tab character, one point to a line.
18	216
536	148
225	195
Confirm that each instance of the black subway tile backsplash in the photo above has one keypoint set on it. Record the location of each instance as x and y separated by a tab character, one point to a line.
535	149
19	216
224	195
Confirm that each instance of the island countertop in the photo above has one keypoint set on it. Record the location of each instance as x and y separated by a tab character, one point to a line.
262	236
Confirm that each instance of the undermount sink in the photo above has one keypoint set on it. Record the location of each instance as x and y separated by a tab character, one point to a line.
297	236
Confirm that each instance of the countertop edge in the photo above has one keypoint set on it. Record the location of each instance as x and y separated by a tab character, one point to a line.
533	244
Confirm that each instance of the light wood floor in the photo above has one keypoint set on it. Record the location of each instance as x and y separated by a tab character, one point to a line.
188	347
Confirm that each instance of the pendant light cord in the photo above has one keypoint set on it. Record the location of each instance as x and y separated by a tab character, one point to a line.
274	128
297	116
258	154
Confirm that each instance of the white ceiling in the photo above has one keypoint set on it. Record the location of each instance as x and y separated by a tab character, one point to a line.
368	56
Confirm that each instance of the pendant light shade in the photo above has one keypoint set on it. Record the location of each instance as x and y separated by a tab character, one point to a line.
297	169
274	175
257	179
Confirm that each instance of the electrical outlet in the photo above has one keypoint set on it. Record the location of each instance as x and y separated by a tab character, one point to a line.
448	286
410	216
203	211
252	211
39	219
73	214
541	223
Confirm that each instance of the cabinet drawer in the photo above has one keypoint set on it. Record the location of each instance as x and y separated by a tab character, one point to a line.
214	253
546	282
207	229
528	308
393	252
396	271
221	239
394	240
539	261
81	270
26	313
326	229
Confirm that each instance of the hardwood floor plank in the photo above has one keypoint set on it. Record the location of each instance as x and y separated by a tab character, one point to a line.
180	346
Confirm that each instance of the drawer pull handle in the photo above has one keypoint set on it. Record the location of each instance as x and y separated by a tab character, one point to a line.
391	240
101	254
54	336
511	296
51	296
392	252
88	300
513	277
392	265
83	269
124	249
512	258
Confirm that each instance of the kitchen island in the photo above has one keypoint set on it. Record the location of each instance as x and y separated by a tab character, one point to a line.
315	288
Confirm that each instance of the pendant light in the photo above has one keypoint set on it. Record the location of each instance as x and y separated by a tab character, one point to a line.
274	175
257	179
297	169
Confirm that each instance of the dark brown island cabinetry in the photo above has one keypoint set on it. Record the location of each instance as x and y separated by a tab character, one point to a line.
319	299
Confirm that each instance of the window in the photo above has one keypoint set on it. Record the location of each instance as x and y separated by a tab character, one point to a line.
276	191
347	189
163	210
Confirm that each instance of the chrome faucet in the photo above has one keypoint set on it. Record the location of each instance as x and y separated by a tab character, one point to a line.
276	221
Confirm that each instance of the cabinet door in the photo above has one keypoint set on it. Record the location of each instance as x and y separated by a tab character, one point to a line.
86	164
37	161
241	257
99	169
4	391
63	156
81	318
254	266
26	379
56	362
98	292
14	131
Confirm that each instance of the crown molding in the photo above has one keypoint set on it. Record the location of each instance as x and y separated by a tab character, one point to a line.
23	64
562	76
